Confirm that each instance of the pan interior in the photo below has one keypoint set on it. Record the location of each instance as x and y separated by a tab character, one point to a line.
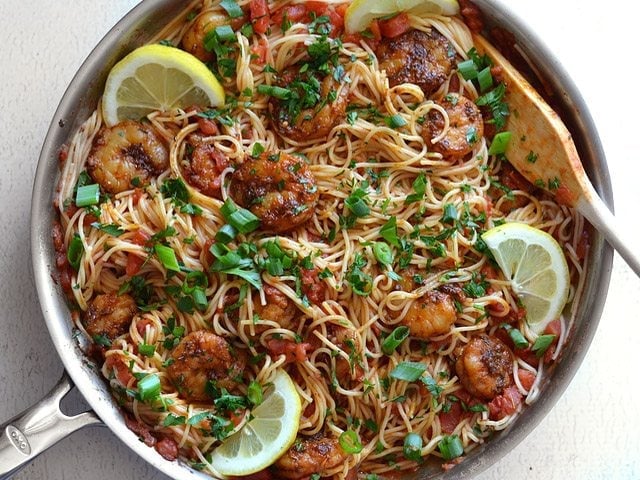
80	100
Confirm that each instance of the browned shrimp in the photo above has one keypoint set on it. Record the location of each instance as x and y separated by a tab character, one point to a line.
432	314
124	154
466	127
485	367
302	121
110	315
200	357
310	455
422	58
278	188
193	40
205	165
279	308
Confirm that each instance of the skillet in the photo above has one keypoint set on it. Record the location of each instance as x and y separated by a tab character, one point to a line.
40	427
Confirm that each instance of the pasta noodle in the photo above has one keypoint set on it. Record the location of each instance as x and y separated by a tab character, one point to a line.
391	243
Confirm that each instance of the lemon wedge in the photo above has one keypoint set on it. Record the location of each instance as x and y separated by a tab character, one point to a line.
362	12
157	77
267	436
532	260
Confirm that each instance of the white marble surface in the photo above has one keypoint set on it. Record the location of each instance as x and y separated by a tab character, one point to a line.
594	430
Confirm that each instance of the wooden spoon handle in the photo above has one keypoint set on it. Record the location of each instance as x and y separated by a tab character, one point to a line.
603	220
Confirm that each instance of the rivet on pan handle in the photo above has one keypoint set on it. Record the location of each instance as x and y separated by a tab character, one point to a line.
30	433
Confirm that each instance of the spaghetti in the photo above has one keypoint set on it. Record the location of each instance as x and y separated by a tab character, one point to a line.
367	290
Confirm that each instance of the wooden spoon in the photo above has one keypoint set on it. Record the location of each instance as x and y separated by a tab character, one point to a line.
542	150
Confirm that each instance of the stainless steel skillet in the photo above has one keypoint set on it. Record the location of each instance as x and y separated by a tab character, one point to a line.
77	104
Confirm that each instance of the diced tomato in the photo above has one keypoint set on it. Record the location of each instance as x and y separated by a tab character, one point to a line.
260	51
449	420
134	263
140	237
137	195
375	30
236	417
309	410
312	286
293	352
319	8
120	369
63	153
527	378
337	23
342	9
260	18
208	126
141	326
505	404
553	328
564	196
293	13
396	26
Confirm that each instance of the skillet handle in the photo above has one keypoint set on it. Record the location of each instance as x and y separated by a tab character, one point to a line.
30	433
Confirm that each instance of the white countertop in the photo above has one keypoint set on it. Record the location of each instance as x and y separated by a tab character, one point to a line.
594	430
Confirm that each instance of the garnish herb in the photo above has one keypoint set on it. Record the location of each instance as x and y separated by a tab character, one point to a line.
408	371
239	218
175	189
357	203
394	340
167	257
254	393
88	195
532	157
149	387
146	349
389	231
350	442
382	252
232	8
412	448
395	121
419	189
75	252
450	447
542	344
518	339
172	420
359	281
111	228
500	143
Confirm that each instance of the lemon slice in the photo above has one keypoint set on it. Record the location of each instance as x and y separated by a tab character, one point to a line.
158	77
534	263
362	12
267	436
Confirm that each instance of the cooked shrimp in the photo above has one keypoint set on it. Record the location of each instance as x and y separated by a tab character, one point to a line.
310	116
205	166
278	188
203	357
110	315
422	58
124	154
278	308
194	38
432	314
466	127
485	367
310	455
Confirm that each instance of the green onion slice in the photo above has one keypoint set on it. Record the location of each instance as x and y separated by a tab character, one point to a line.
75	252
393	341
350	442
395	121
88	195
254	393
382	252
167	257
485	80
239	218
468	69
149	387
226	234
500	143
275	91
450	447
232	8
408	371
412	448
